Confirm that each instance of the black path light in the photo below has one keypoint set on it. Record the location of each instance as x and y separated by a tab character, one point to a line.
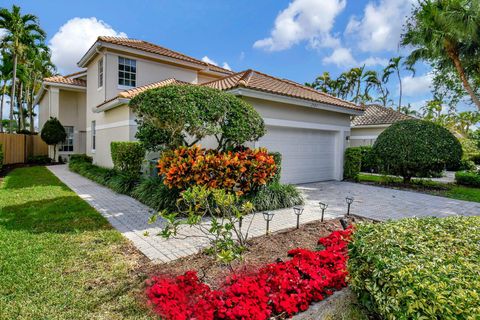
324	207
298	211
344	223
268	216
349	201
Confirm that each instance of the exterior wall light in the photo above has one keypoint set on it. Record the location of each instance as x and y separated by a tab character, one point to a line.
298	211
268	216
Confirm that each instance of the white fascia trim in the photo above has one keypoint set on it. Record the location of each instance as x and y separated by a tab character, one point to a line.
86	57
372	126
363	137
110	105
290	100
65	86
118	124
303	125
39	95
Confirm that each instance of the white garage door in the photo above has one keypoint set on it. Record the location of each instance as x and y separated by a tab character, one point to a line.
307	155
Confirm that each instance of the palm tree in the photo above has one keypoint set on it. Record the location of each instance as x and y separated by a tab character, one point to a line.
395	66
6	68
22	31
447	33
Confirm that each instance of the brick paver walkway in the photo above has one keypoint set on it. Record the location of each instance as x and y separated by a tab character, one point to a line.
130	217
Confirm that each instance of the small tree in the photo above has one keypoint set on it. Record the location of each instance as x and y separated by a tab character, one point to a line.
182	115
416	148
53	133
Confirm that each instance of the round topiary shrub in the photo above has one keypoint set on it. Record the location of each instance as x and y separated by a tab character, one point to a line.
416	148
53	133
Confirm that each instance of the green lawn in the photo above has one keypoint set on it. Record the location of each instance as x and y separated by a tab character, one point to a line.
59	258
441	189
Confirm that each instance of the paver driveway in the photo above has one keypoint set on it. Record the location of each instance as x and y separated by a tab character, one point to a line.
383	203
130	217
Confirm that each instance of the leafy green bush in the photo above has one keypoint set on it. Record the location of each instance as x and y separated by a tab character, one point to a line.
181	115
1	156
277	157
127	157
467	165
122	183
418	268
276	196
468	178
353	163
53	133
475	157
95	173
416	148
81	158
155	194
39	160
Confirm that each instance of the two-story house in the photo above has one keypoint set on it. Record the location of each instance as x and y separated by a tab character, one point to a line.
310	128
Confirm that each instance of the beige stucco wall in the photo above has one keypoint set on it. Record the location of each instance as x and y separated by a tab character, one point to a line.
43	110
364	136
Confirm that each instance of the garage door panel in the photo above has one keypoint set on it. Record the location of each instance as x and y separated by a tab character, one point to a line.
307	155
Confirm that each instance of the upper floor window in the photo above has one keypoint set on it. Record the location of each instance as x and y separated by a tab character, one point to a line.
127	72
100	73
67	145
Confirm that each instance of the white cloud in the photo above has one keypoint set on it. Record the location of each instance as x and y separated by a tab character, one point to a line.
341	57
304	20
225	65
74	38
3	33
374	61
381	25
414	86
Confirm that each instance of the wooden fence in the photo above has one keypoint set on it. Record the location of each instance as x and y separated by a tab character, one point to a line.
18	147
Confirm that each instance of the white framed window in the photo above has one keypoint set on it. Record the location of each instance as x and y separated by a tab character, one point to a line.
67	145
127	72
100	73
94	135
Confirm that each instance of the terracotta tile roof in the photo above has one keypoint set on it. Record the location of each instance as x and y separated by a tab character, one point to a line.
66	80
377	115
255	80
130	93
153	48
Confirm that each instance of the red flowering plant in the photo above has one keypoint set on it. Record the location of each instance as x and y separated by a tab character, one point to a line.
241	171
277	289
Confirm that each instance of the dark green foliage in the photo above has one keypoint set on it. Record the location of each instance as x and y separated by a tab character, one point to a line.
81	158
277	156
475	158
353	163
39	160
468	178
417	268
53	133
416	148
177	115
98	174
368	162
127	157
276	196
467	165
153	193
122	183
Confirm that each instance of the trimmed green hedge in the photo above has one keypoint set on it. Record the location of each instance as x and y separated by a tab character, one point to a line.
418	268
467	178
127	157
353	163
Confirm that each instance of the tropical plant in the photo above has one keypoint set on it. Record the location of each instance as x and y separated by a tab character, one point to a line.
22	32
53	133
416	148
445	34
127	157
183	115
394	67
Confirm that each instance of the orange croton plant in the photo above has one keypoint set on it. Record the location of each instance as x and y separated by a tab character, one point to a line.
237	171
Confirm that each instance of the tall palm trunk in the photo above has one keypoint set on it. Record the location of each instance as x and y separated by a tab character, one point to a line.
30	108
4	91
21	116
401	90
12	95
453	55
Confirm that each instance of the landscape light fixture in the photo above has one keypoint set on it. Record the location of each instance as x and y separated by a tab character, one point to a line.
324	207
349	201
344	223
268	216
298	211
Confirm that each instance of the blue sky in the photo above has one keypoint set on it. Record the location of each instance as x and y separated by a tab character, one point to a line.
294	39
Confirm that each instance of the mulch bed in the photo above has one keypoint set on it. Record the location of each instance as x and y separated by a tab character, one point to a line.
261	251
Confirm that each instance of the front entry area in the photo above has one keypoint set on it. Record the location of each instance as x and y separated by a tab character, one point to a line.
308	155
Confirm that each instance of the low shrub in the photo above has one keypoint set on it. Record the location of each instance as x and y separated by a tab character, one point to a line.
122	183
155	194
98	174
277	289
475	157
353	163
242	171
127	157
81	158
468	178
467	165
39	160
418	268
276	196
277	157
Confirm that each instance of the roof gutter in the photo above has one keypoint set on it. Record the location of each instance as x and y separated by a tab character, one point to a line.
290	100
110	104
385	125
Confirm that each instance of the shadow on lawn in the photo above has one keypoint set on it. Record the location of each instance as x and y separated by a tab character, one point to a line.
60	215
28	177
